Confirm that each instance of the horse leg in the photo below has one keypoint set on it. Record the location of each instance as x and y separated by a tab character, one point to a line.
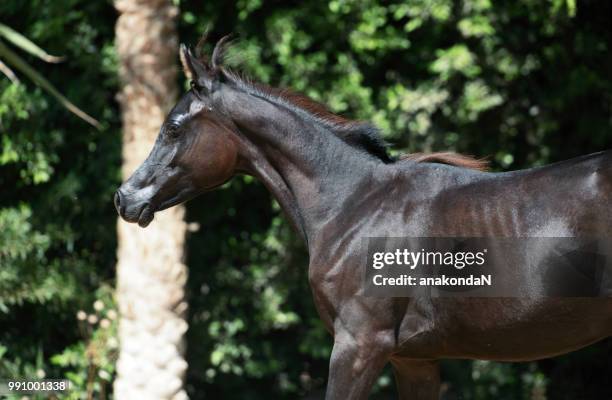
416	379
354	367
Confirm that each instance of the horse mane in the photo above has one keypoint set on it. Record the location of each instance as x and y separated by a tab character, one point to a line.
448	158
359	134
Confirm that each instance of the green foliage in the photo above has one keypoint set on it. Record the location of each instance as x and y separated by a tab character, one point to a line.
523	82
26	44
57	174
90	363
12	58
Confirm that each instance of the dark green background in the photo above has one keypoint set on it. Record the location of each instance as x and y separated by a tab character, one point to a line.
522	82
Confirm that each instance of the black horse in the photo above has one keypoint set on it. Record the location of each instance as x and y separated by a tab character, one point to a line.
337	185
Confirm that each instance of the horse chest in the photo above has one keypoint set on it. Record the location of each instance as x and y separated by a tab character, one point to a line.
335	279
326	287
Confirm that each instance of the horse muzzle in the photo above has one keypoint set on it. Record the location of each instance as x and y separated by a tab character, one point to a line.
135	211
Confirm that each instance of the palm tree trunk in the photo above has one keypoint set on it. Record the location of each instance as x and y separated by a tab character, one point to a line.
150	272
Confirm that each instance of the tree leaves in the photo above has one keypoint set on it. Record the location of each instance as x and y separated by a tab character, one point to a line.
17	62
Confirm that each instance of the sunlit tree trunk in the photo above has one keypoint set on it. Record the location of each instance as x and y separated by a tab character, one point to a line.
150	271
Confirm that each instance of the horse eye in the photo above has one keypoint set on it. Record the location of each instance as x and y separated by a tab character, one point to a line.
194	85
172	130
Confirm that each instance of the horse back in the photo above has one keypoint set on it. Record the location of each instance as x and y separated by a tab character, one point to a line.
569	198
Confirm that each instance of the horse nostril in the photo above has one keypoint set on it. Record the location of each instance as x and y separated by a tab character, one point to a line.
118	201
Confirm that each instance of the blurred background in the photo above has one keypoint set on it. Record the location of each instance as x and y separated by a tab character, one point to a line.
523	82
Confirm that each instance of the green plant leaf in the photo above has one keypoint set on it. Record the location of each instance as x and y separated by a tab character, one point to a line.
26	44
8	72
12	58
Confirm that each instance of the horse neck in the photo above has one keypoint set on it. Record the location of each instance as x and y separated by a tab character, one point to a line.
307	168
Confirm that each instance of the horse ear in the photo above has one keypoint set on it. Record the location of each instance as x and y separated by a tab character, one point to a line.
184	55
200	46
218	54
194	68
